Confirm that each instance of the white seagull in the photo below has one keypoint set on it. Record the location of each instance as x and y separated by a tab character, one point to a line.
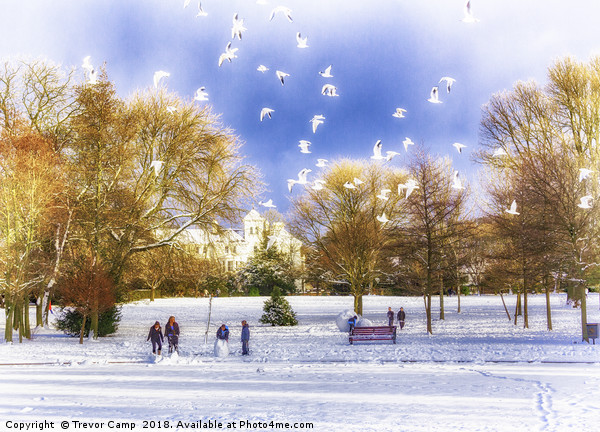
201	95
171	109
318	184
262	68
87	65
390	155
321	163
316	121
201	12
399	113
281	75
513	209
383	194
469	18
456	183
585	202
268	204
410	186
326	73
159	75
283	10
349	185
304	146
407	141
434	97
377	151
449	82
238	27
329	90
157	166
266	112
383	218
186	3
228	55
301	179
458	146
584	173
271	242
302	42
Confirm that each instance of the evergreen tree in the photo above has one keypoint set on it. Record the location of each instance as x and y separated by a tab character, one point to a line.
277	311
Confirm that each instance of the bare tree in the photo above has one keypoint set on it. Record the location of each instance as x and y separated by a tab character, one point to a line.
434	221
339	224
147	170
30	181
550	134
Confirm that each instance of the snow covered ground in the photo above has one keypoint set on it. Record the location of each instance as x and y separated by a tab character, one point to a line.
476	372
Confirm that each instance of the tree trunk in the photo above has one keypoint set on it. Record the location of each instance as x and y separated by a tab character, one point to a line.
428	313
94	320
82	332
39	312
208	322
152	293
26	330
441	299
458	294
8	329
504	304
358	304
525	309
548	309
517	306
584	333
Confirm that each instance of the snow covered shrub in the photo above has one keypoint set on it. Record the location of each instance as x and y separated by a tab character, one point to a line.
277	311
69	321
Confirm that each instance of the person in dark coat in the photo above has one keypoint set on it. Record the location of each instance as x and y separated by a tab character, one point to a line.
223	333
401	317
172	334
390	315
155	335
245	338
352	323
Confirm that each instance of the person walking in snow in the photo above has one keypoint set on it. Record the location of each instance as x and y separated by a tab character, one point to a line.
390	315
401	317
172	334
155	335
245	338
223	333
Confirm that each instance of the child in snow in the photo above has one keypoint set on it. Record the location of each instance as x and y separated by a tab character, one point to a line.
155	335
245	338
223	333
172	334
352	323
221	344
390	315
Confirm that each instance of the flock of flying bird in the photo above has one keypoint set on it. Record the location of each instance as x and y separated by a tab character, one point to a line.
329	90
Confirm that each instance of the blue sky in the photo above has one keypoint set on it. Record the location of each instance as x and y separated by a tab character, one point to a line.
385	54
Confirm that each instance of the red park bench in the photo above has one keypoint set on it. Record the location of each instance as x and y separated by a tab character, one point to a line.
367	334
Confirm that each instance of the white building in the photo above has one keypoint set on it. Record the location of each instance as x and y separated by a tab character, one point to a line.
233	250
